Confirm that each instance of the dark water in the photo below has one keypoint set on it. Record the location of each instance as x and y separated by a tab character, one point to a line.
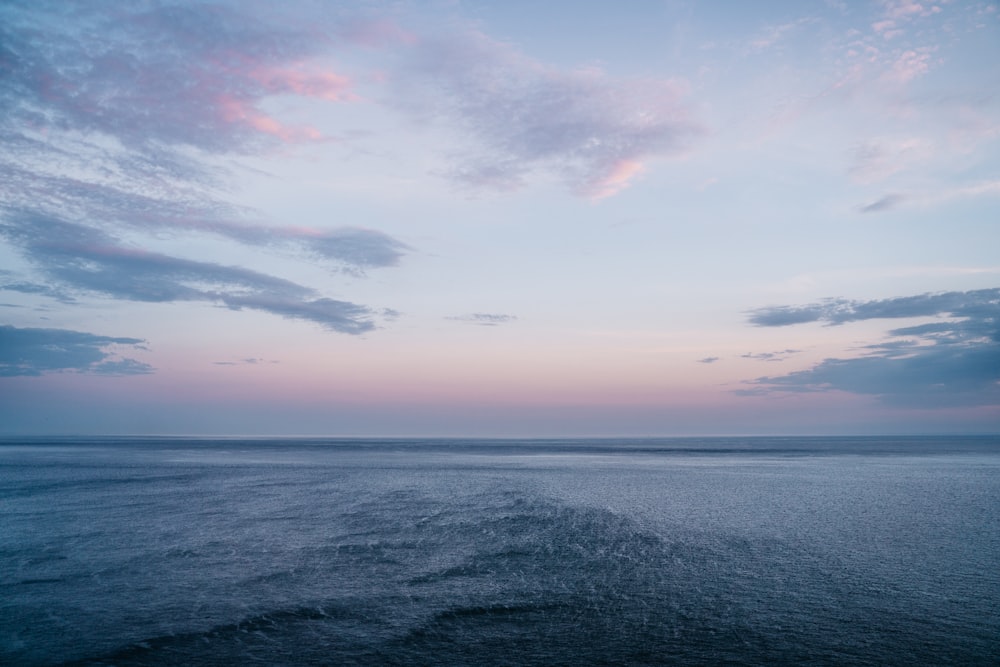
690	551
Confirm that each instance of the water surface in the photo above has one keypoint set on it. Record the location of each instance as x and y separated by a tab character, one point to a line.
163	551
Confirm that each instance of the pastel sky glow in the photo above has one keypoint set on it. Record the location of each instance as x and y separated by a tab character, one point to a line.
488	218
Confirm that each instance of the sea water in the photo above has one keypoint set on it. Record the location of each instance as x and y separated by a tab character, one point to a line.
184	551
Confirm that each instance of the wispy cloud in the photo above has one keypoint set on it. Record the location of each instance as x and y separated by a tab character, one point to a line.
909	65
31	351
485	319
37	288
889	60
780	355
937	363
158	75
126	202
897	13
106	115
521	117
877	159
932	197
884	203
248	361
708	360
775	34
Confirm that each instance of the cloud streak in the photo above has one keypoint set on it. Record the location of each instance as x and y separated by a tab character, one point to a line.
952	362
885	203
780	355
975	304
248	361
182	211
30	351
81	258
485	319
933	198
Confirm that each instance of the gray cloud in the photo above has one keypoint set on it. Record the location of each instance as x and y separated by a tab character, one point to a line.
335	315
181	209
354	246
951	362
37	351
780	355
974	304
82	258
935	376
37	288
587	129
248	361
779	316
884	204
708	360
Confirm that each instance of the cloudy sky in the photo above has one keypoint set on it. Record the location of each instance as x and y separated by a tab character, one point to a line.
470	217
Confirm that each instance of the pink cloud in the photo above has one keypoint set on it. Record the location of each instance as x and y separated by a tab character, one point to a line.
886	28
232	110
899	12
200	79
897	9
246	81
909	65
300	80
617	179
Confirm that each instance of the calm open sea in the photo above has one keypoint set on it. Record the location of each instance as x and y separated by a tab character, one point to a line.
880	551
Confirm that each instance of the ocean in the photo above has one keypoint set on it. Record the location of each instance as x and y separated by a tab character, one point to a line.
682	551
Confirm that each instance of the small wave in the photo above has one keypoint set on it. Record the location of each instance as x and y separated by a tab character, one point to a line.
204	647
495	611
54	580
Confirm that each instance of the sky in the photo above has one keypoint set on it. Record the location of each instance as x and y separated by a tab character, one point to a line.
500	219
